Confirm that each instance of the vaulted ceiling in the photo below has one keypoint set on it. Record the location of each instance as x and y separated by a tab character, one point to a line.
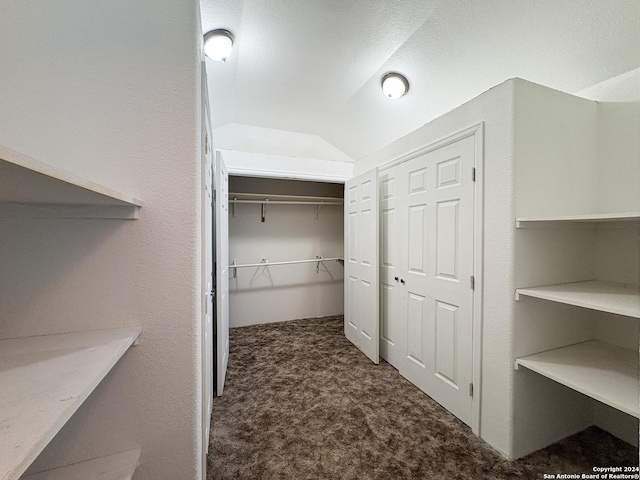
314	66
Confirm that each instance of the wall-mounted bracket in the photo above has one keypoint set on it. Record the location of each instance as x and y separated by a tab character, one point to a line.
264	210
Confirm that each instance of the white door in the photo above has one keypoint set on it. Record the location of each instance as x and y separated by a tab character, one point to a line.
361	319
207	268
392	312
222	271
438	281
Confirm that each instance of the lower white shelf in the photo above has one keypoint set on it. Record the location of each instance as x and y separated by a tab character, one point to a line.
43	381
601	371
120	466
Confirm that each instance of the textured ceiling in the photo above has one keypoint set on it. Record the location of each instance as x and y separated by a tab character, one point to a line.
314	66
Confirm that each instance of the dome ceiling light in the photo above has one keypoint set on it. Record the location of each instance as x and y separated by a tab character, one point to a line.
394	85
218	44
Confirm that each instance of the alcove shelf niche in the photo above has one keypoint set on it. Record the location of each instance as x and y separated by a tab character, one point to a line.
44	380
32	188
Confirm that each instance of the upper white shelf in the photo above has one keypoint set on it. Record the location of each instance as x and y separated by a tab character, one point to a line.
43	381
524	222
619	298
27	181
599	370
120	466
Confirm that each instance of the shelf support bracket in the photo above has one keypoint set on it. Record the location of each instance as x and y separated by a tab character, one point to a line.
264	210
233	208
234	270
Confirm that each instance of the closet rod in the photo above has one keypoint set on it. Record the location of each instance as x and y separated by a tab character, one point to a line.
284	202
268	264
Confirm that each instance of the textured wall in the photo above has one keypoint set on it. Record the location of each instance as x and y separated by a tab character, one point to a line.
110	91
280	166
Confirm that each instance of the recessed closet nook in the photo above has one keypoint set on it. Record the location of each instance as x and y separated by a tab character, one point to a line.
491	256
286	238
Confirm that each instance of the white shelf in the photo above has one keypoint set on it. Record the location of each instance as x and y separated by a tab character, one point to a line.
523	222
619	298
120	466
27	181
43	381
601	371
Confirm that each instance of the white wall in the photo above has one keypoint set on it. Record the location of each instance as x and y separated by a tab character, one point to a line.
267	165
495	109
110	91
618	141
272	141
290	232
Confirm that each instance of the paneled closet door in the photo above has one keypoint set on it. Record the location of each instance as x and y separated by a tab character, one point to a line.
361	316
393	329
222	271
439	264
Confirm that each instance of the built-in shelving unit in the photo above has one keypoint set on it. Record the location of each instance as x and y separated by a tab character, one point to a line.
120	466
29	187
44	380
601	371
618	298
524	222
605	372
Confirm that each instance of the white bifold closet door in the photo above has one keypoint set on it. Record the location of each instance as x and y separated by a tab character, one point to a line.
222	271
361	316
427	236
207	266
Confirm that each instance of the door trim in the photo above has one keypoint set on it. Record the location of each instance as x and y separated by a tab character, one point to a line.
476	131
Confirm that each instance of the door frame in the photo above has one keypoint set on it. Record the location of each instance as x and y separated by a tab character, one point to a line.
476	131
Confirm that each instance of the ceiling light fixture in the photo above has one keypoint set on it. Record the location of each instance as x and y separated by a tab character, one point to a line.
394	85
218	44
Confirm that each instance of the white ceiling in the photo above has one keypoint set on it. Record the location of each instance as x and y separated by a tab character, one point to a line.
314	66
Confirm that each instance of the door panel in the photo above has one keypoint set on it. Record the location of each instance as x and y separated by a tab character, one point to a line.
361	321
415	329
446	344
393	314
222	272
451	250
438	202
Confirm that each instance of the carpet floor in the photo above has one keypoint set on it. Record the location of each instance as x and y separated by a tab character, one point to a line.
301	402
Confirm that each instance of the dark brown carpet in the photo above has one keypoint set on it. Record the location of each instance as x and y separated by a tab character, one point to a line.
301	402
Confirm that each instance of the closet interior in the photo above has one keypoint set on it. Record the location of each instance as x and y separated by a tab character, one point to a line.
285	250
